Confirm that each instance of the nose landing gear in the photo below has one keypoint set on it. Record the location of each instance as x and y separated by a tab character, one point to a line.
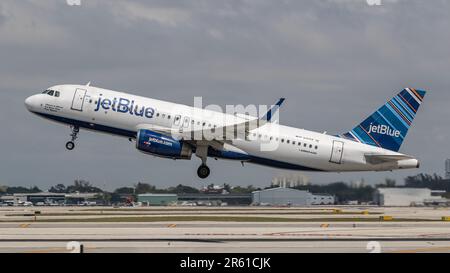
70	145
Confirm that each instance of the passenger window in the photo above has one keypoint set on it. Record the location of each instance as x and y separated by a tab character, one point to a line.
310	146
282	140
168	116
299	144
163	115
293	142
316	147
186	122
157	114
287	141
304	145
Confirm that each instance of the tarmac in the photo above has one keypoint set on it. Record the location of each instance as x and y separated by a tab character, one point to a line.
230	229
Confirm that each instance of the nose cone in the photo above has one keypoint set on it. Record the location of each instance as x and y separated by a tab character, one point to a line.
30	103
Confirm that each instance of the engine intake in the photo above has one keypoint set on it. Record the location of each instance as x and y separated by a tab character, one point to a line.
161	145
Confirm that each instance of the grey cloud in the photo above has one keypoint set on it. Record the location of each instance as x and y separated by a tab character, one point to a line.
335	61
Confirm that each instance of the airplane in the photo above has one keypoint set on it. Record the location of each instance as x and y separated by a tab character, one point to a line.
177	131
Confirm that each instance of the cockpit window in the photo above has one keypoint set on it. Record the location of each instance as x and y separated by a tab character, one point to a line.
51	93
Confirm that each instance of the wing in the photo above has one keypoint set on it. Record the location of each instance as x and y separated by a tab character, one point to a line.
215	137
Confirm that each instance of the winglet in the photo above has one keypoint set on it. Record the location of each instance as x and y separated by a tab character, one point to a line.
268	116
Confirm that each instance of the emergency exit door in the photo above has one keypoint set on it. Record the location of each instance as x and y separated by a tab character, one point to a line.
337	151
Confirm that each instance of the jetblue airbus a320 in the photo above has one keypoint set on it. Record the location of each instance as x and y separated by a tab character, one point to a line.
178	131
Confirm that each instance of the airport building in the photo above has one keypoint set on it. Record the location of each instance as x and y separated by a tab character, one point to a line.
408	197
195	199
50	198
231	199
39	198
157	199
290	197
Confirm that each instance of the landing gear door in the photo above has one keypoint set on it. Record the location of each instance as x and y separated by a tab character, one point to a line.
337	151
78	99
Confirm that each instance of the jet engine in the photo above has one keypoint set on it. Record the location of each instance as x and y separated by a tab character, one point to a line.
157	144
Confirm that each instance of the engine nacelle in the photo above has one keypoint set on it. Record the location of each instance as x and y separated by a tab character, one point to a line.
161	145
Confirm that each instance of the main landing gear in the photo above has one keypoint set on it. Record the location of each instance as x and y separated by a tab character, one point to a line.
203	171
70	145
202	152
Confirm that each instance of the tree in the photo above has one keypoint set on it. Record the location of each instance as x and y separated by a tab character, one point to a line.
342	191
59	188
82	186
124	190
227	187
390	182
144	188
182	189
433	182
248	189
12	190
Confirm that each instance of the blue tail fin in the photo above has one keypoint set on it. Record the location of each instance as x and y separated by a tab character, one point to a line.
388	126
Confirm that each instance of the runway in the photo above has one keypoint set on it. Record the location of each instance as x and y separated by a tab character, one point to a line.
419	230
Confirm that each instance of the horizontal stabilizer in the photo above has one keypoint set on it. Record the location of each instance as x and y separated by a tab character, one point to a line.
378	159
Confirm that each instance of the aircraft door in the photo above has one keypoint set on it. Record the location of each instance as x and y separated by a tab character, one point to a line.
337	151
78	99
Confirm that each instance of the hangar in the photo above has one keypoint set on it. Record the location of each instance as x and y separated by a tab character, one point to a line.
291	197
408	197
157	199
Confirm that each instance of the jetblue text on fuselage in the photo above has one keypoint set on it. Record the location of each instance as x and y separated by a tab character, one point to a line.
383	130
122	105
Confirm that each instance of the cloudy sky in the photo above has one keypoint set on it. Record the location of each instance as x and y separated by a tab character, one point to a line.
335	61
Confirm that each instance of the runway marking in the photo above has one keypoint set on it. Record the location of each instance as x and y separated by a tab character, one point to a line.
48	250
24	225
425	249
55	250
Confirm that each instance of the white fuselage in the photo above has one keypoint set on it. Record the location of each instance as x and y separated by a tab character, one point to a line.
271	144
